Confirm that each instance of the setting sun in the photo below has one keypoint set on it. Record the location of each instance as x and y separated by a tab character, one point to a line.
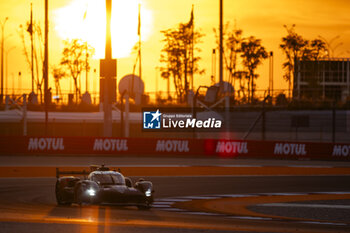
85	20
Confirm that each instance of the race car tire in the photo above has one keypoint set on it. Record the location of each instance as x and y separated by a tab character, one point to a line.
79	196
146	206
59	198
95	201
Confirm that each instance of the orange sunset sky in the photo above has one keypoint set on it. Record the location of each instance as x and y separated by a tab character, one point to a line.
263	19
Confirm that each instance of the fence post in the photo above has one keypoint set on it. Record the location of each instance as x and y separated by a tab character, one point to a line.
227	115
263	118
24	115
263	123
53	127
7	100
333	122
127	115
122	115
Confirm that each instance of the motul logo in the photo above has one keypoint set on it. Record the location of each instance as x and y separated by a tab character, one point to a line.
111	145
232	147
289	149
172	146
339	150
44	144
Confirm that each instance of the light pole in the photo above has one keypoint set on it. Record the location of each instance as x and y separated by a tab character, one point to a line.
46	68
108	70
86	68
31	31
19	82
156	82
86	54
2	59
221	49
6	80
271	74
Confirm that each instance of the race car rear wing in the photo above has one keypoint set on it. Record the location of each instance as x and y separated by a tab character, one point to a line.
83	172
59	173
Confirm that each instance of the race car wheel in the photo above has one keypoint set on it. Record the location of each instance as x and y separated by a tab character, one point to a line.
59	198
146	206
79	196
95	201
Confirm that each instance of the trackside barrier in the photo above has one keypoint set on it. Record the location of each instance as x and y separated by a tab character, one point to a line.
26	145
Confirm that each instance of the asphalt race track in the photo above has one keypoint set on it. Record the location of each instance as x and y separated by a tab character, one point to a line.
28	205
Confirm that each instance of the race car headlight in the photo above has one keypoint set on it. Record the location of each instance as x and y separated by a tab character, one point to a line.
91	192
148	193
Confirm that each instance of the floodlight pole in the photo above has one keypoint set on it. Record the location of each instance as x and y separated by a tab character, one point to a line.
139	32
32	44
271	74
108	70
86	67
46	68
221	47
108	56
2	59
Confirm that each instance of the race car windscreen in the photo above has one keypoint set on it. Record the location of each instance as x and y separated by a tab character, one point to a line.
116	179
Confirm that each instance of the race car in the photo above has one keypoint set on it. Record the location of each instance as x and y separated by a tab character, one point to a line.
102	186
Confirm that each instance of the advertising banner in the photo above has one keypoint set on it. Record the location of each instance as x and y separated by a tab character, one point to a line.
30	145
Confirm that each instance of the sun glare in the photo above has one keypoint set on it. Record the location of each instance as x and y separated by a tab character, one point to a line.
86	20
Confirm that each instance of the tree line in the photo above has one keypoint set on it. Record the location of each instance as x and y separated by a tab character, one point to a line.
297	48
180	57
75	59
242	55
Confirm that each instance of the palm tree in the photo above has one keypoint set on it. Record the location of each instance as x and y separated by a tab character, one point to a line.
74	59
293	46
296	48
233	39
178	59
252	53
58	74
319	49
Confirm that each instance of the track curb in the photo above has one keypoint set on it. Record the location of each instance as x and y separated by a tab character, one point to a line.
234	206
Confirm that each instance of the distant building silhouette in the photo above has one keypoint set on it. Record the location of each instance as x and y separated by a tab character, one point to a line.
322	79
